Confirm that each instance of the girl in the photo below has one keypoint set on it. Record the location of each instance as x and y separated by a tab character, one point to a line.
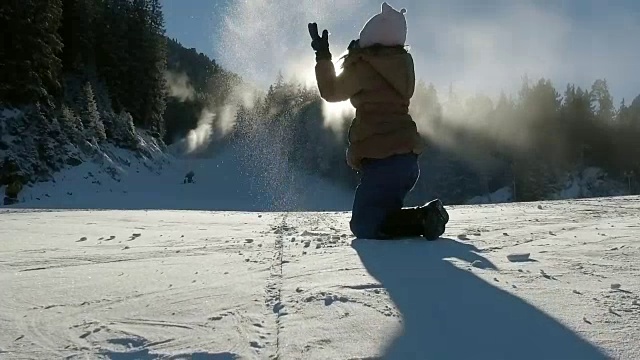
378	78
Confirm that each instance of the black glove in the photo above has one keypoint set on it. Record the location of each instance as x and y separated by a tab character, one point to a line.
319	44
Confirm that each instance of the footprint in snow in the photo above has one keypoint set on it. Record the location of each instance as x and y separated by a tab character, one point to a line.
134	236
611	311
84	238
330	299
277	307
547	276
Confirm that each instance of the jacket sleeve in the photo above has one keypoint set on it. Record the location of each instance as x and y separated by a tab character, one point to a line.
336	88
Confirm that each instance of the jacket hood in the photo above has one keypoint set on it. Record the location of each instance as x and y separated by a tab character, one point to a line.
394	64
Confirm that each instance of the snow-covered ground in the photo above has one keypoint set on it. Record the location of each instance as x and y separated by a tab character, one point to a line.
230	285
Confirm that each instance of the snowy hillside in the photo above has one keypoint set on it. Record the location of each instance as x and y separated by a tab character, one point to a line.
589	183
230	285
232	180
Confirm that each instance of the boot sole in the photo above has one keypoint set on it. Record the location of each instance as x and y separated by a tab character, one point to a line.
435	221
442	212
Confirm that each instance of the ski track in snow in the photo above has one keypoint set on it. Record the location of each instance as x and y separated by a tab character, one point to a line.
232	285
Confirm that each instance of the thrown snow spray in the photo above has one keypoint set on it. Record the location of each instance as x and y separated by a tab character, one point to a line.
260	38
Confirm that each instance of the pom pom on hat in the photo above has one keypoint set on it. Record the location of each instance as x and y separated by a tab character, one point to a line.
388	28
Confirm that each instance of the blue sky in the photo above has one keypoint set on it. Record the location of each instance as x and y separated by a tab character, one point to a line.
476	45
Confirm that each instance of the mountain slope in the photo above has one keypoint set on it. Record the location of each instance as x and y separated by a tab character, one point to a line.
220	285
235	179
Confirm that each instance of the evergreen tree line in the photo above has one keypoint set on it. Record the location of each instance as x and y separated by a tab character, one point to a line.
68	52
83	73
89	72
531	142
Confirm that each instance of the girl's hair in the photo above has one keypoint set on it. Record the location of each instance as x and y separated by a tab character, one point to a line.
374	50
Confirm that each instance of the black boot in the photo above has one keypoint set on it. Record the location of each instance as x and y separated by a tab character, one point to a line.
435	218
406	222
428	220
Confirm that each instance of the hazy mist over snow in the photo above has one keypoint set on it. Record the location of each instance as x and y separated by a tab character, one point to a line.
478	47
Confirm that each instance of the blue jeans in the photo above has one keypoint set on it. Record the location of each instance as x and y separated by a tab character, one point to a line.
384	184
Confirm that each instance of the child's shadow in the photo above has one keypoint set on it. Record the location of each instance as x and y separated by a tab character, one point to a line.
449	313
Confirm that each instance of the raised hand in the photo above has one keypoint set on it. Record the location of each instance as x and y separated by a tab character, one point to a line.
319	43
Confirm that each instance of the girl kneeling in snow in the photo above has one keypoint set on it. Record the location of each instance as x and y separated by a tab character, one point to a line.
378	78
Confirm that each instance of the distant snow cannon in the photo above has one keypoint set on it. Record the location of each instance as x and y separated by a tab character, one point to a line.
188	179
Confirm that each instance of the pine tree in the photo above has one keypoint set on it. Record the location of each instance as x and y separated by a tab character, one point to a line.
124	132
112	50
578	118
78	33
425	108
71	125
29	63
147	46
539	108
49	141
94	128
158	95
605	110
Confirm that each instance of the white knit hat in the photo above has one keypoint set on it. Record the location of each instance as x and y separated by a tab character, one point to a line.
388	28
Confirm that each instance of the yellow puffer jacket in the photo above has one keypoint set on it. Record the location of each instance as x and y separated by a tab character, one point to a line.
379	82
